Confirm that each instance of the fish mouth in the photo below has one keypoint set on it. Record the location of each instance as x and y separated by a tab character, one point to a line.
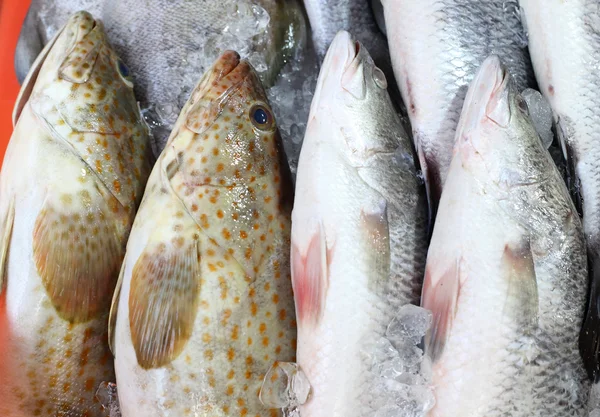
486	98
228	71
337	65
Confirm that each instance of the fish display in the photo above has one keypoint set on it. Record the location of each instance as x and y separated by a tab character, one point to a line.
204	304
167	44
506	270
564	46
359	230
436	48
72	178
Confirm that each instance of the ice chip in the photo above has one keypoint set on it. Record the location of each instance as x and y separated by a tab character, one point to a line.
595	413
410	325
107	396
389	411
284	385
541	114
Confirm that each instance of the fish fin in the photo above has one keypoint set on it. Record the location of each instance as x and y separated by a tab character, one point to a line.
29	82
114	308
433	182
310	276
163	300
589	338
440	295
7	228
522	298
29	45
375	228
78	247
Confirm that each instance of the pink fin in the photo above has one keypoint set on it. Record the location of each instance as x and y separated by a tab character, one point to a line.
309	278
440	297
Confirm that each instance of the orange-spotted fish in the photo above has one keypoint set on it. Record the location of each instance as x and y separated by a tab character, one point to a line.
73	175
359	232
204	304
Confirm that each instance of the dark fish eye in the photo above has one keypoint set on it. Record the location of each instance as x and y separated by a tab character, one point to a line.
261	117
123	69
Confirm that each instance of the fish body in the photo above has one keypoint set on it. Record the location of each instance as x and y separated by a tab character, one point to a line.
564	46
506	270
73	174
167	43
359	232
204	305
436	48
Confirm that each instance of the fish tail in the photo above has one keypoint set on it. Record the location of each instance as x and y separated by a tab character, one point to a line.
589	338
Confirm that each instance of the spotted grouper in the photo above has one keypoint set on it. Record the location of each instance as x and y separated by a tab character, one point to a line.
204	304
72	179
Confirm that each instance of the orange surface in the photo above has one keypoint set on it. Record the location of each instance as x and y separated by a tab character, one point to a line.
12	14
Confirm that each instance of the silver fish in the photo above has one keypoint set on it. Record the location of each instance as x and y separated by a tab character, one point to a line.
506	270
72	179
436	47
565	49
359	231
166	44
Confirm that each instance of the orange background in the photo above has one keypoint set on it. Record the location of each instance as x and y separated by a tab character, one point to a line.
12	14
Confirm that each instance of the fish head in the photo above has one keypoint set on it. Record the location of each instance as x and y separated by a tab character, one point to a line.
80	77
495	136
227	128
352	96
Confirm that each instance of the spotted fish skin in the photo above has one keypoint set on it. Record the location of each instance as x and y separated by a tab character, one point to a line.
72	178
204	305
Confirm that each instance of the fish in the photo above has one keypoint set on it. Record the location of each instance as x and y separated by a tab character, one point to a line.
167	43
73	176
506	272
359	231
328	17
204	303
436	48
564	47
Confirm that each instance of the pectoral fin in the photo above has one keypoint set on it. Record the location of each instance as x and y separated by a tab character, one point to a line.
114	307
309	276
7	226
164	298
522	297
78	247
440	296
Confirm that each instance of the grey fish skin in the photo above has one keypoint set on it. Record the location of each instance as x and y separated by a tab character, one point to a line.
506	270
436	47
164	43
565	49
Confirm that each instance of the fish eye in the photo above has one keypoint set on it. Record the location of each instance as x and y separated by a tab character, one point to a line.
261	117
123	69
379	78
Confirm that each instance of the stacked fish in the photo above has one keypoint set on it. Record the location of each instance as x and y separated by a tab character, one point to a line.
433	258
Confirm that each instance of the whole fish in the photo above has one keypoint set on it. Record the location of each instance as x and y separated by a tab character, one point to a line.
204	304
359	231
436	48
167	43
565	49
506	270
327	17
72	178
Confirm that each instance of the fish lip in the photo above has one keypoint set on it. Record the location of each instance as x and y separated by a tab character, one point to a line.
482	96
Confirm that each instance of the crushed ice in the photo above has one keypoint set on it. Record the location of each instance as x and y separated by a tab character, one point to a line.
107	396
541	114
402	371
285	386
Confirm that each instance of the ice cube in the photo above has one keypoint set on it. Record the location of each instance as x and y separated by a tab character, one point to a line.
108	398
410	325
284	385
541	114
595	413
389	411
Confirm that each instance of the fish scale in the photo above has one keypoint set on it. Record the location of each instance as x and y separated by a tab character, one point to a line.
204	304
65	223
436	48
